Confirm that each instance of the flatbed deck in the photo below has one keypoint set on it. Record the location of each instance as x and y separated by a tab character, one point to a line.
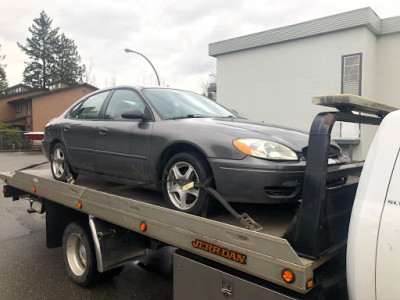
218	237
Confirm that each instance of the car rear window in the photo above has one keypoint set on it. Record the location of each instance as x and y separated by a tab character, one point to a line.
89	108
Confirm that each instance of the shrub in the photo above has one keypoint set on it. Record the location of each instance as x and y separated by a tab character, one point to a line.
13	138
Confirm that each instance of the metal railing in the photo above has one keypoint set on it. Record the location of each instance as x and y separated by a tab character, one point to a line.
14	140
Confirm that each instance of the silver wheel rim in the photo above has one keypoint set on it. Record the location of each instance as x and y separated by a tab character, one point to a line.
58	162
76	254
185	172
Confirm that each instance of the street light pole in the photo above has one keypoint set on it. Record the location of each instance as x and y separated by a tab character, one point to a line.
131	51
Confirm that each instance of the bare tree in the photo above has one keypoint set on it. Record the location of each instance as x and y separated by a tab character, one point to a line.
3	76
209	86
89	75
110	82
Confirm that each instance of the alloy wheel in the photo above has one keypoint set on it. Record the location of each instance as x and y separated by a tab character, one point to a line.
180	174
58	162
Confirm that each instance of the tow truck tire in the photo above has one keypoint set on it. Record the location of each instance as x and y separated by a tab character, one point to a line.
59	163
186	167
79	255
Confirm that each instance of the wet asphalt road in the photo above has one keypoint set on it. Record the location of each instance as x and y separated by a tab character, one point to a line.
28	270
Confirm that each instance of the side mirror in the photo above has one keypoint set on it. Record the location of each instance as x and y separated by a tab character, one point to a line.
135	114
132	114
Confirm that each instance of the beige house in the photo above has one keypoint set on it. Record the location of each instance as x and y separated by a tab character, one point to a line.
31	108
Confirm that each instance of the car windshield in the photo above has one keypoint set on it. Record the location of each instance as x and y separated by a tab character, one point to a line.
176	104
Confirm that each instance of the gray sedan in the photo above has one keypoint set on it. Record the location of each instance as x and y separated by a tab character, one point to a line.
166	138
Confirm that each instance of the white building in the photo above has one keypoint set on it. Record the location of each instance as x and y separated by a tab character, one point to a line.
271	75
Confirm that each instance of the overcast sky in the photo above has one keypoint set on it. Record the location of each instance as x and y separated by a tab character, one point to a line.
173	34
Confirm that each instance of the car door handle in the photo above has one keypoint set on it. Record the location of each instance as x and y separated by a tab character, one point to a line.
67	128
103	131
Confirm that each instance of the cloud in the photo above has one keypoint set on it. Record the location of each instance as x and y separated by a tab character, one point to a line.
173	34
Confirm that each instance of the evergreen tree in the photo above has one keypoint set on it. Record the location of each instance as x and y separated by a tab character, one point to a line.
3	77
53	56
67	61
40	49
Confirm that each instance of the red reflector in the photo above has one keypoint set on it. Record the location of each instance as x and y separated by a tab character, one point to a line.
4	191
5	180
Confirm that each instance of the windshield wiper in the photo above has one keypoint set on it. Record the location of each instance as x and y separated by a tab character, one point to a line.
189	117
231	117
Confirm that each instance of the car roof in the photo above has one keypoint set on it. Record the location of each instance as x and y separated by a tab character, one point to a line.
140	88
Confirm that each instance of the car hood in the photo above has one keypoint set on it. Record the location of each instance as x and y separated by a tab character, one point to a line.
242	128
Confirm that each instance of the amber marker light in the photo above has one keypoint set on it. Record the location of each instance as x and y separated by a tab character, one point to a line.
242	147
310	284
79	204
34	190
143	226
288	276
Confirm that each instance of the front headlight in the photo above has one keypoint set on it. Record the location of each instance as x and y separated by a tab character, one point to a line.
265	149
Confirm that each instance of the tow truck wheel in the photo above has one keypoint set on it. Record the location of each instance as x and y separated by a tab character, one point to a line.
180	170
79	255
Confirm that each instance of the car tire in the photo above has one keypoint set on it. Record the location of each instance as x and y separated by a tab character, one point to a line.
79	256
187	167
59	163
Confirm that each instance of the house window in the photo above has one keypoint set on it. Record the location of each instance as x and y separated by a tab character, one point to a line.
18	107
55	86
351	74
15	91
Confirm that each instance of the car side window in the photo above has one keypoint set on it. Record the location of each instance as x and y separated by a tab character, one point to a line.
90	108
121	101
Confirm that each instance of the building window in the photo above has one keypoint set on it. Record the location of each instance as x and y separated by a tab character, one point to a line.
28	109
55	87
18	107
351	84
15	91
351	74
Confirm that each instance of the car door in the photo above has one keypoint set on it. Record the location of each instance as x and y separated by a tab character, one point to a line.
124	144
79	133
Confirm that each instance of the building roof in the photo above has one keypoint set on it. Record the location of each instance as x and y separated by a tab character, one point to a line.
14	120
17	86
47	92
364	17
30	91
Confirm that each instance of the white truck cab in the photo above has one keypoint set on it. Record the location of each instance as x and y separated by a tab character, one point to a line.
373	249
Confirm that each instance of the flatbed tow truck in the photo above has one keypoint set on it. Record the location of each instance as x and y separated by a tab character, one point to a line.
295	252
